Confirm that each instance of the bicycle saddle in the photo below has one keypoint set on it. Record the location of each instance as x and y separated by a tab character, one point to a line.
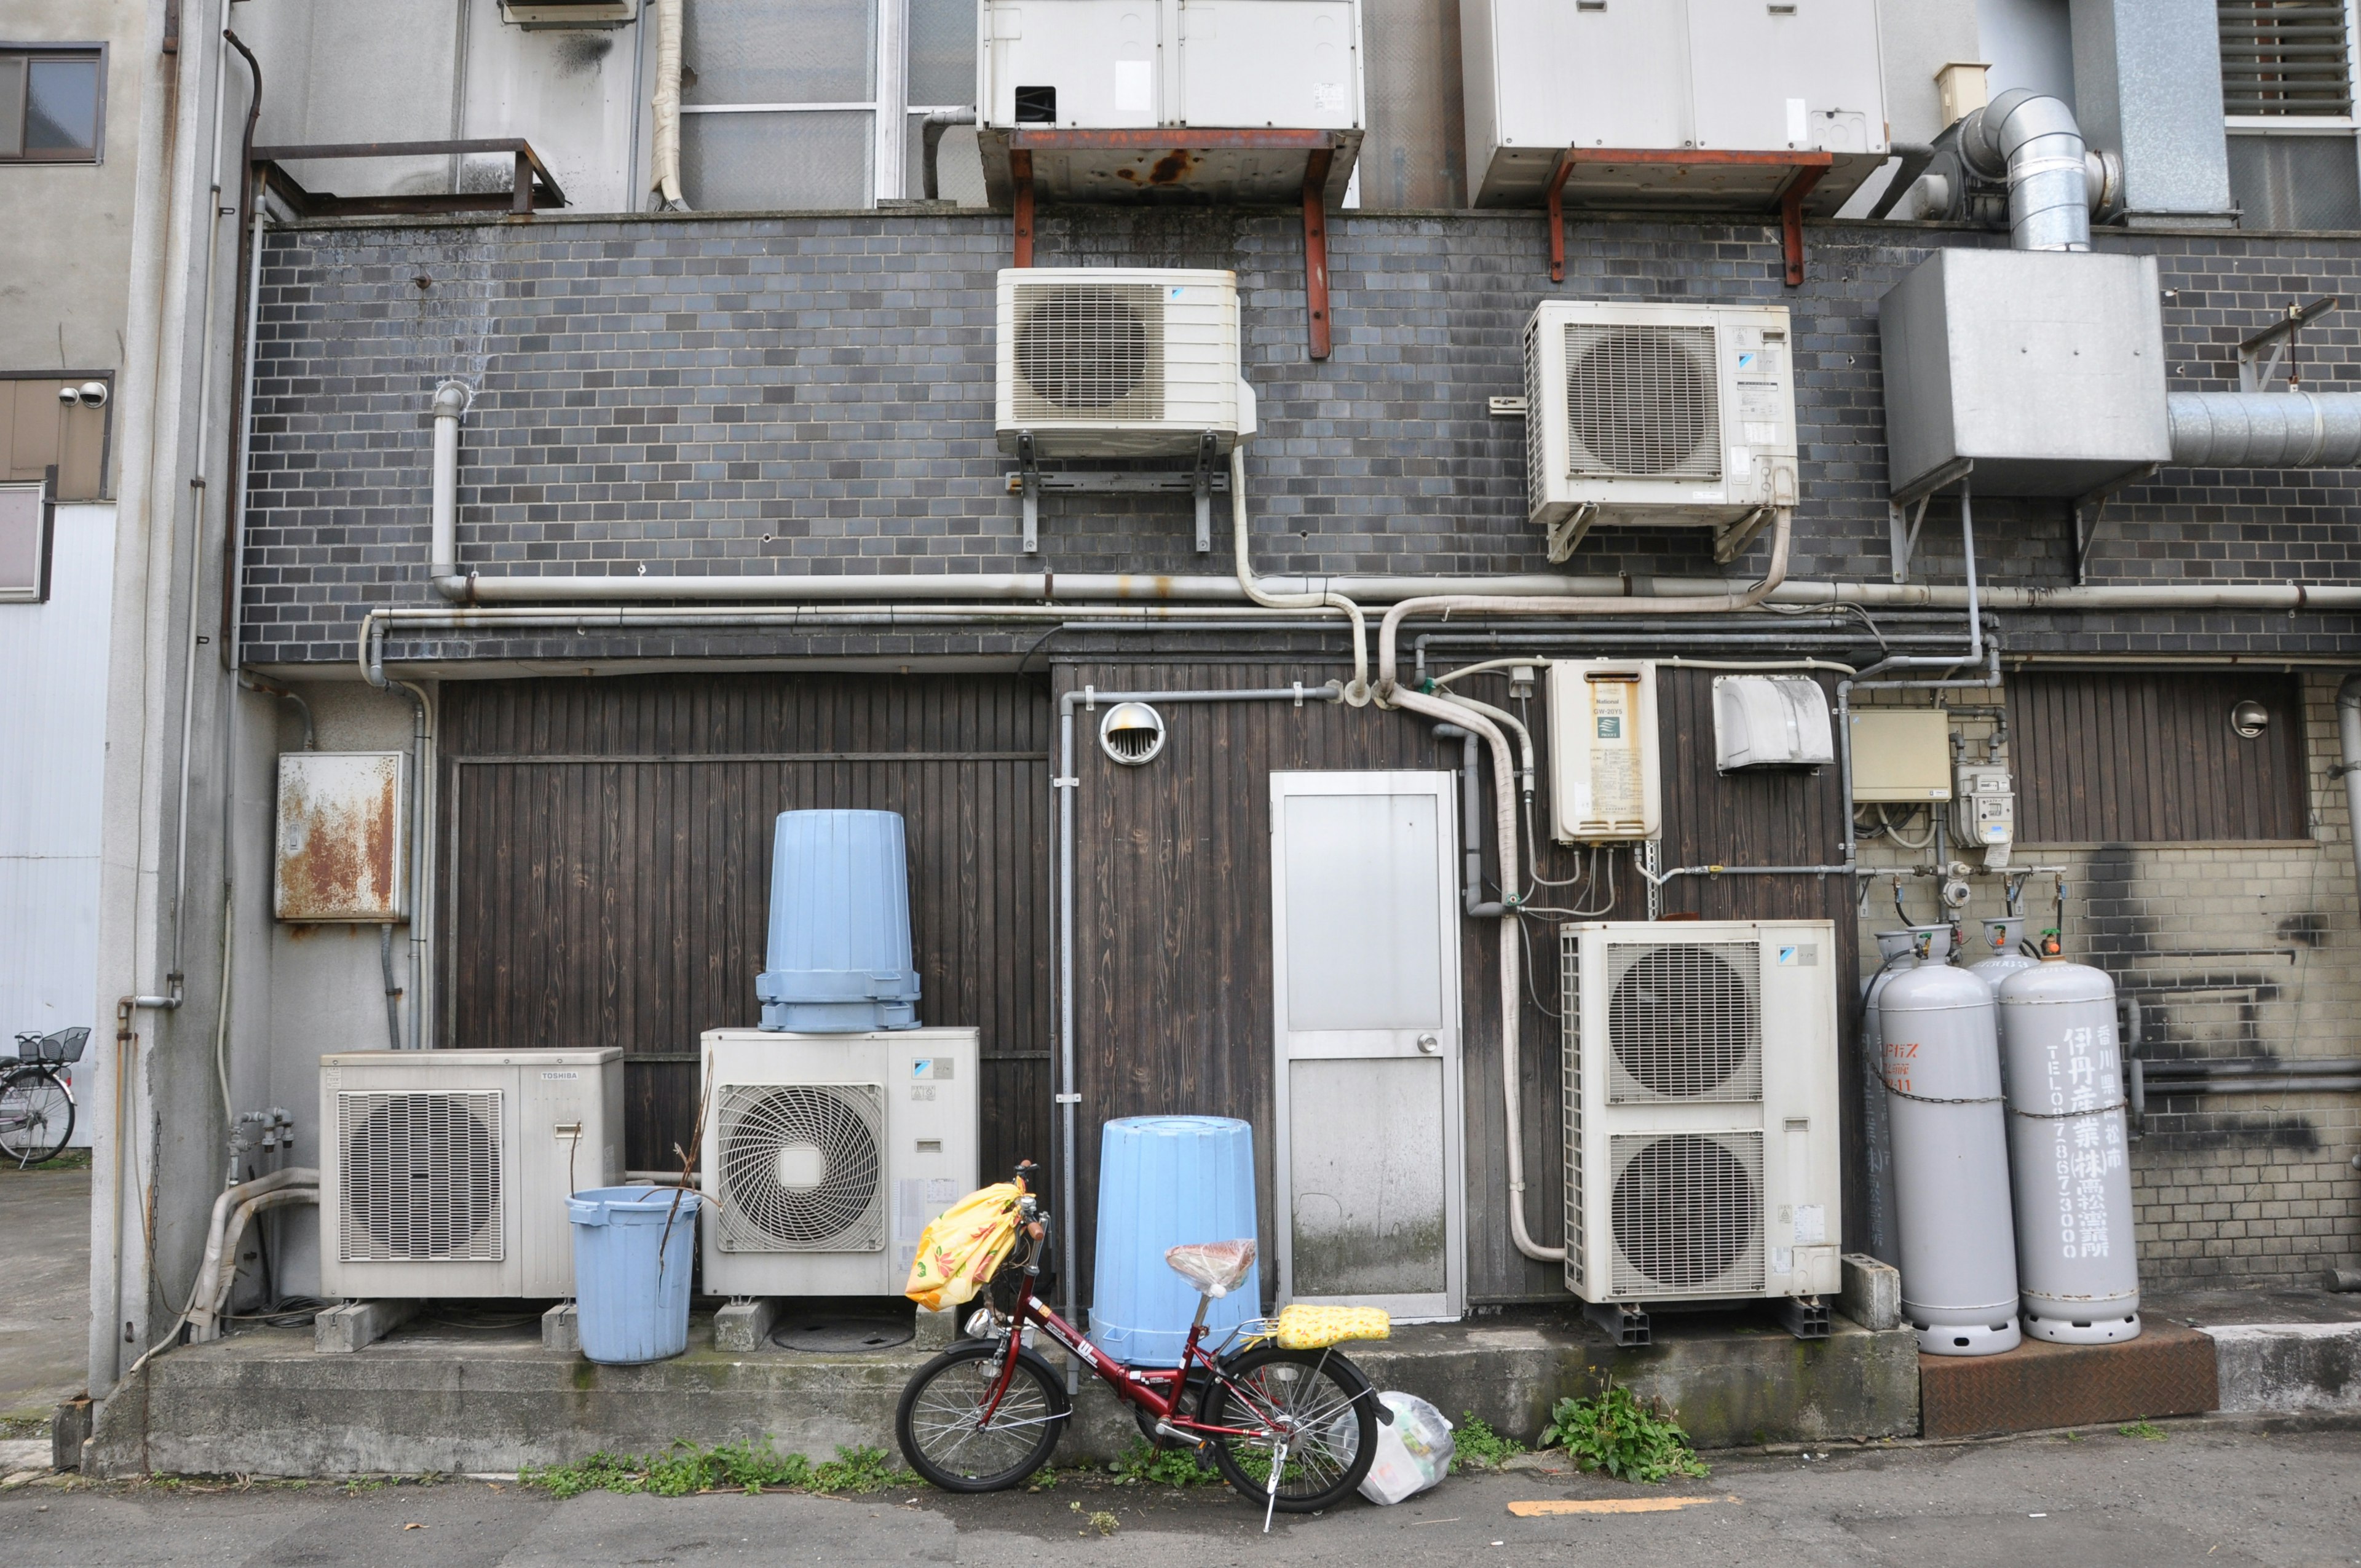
1215	1267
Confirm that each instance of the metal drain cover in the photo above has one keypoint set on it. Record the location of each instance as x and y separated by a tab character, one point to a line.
840	1334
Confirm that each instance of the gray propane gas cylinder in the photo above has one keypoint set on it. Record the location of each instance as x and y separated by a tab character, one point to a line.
2074	1251
1950	1160
1896	952
2001	956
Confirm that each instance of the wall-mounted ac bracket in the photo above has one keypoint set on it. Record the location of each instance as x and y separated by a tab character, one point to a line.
1730	541
1905	510
1203	481
2088	510
1566	536
2257	374
1795	172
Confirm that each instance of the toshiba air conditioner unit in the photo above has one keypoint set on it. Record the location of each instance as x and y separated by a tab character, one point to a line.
827	1154
1652	416
1119	362
1606	786
1701	1150
447	1172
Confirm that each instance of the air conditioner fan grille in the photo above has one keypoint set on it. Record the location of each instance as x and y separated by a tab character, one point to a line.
1089	352
421	1173
1642	402
1685	1021
802	1168
1686	1211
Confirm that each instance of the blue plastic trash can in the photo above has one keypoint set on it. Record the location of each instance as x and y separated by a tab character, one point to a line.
1164	1180
629	1304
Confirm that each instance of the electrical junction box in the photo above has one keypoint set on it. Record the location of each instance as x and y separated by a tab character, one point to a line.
1986	810
343	838
1900	754
540	14
1771	722
1605	780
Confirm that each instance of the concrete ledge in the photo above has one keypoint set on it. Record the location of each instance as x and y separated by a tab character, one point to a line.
2168	1371
446	1399
2288	1366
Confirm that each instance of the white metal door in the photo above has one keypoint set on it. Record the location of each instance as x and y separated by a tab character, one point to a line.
1365	979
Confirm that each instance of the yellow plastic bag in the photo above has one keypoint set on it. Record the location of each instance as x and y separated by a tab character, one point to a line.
963	1247
1303	1326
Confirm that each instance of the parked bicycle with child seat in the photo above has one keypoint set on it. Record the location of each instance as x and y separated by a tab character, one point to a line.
37	1103
1286	1418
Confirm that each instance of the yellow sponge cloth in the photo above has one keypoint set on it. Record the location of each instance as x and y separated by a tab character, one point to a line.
1303	1326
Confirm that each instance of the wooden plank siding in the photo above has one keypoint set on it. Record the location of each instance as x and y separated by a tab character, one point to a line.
1173	916
605	866
2108	757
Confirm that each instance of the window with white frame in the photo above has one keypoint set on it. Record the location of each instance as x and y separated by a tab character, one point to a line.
816	103
2288	71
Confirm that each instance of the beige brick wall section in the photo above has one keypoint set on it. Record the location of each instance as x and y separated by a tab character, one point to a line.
2232	950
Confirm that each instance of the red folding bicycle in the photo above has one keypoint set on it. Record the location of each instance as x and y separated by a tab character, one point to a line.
1293	1429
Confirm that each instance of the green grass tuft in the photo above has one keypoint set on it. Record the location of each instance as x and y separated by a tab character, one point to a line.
1475	1443
739	1465
1617	1432
1165	1467
2147	1432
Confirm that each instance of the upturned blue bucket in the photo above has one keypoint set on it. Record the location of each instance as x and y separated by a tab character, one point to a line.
838	960
1163	1181
630	1279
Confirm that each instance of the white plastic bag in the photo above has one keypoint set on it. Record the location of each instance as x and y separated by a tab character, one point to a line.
1413	1450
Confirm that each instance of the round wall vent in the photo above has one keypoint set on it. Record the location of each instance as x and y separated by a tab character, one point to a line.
2249	718
1132	733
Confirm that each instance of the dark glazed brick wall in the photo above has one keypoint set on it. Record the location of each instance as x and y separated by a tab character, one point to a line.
814	394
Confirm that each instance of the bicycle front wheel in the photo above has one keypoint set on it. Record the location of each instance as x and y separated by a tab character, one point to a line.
941	1427
36	1117
1317	1403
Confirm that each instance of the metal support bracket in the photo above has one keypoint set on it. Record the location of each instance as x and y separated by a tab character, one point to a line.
1315	251
1807	1317
1803	171
1202	486
1020	175
1621	1321
2256	373
1730	543
2090	509
1566	535
1905	510
1028	480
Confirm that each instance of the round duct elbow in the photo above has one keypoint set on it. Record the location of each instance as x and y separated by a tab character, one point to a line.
2266	430
2032	140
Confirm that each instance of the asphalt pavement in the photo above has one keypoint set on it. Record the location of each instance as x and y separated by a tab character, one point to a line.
45	1311
2206	1493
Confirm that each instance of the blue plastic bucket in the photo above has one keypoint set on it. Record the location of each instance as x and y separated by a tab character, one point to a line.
631	1305
1164	1180
839	955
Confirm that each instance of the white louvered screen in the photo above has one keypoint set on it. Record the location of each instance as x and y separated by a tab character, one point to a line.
422	1178
1687	1214
802	1168
1642	402
2285	56
1089	352
1577	1228
1536	427
1685	1021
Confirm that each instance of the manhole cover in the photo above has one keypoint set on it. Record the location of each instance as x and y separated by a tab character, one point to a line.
839	1336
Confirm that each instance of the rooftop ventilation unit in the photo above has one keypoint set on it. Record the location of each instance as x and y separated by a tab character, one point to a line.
1701	1156
1652	415
448	1171
1118	362
828	1154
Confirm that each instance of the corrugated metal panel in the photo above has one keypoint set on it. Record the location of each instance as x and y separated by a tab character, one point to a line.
606	864
2110	758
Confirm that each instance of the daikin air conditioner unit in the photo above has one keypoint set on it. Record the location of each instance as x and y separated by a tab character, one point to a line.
1119	362
828	1154
1650	416
1701	1154
447	1171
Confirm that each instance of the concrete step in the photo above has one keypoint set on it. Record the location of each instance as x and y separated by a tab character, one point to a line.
2168	1371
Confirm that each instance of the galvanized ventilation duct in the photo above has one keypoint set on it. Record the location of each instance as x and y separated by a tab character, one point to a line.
2031	139
2266	430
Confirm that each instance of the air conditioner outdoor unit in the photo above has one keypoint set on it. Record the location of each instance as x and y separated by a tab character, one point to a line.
448	1171
1701	1153
828	1154
1119	362
1652	416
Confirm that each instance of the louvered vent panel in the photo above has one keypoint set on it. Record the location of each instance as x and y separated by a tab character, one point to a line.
2285	56
421	1176
1687	1214
1536	399
1642	402
1685	1021
802	1168
1570	998
1090	352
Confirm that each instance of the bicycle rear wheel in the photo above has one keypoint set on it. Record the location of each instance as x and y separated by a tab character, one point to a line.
36	1117
940	1427
1318	1403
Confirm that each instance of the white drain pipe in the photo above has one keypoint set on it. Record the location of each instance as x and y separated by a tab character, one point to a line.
2348	761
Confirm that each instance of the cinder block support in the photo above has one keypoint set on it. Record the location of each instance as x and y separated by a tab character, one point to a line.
936	1329
561	1329
744	1326
1872	1293
358	1324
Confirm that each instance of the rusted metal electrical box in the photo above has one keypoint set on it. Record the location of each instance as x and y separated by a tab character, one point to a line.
342	843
